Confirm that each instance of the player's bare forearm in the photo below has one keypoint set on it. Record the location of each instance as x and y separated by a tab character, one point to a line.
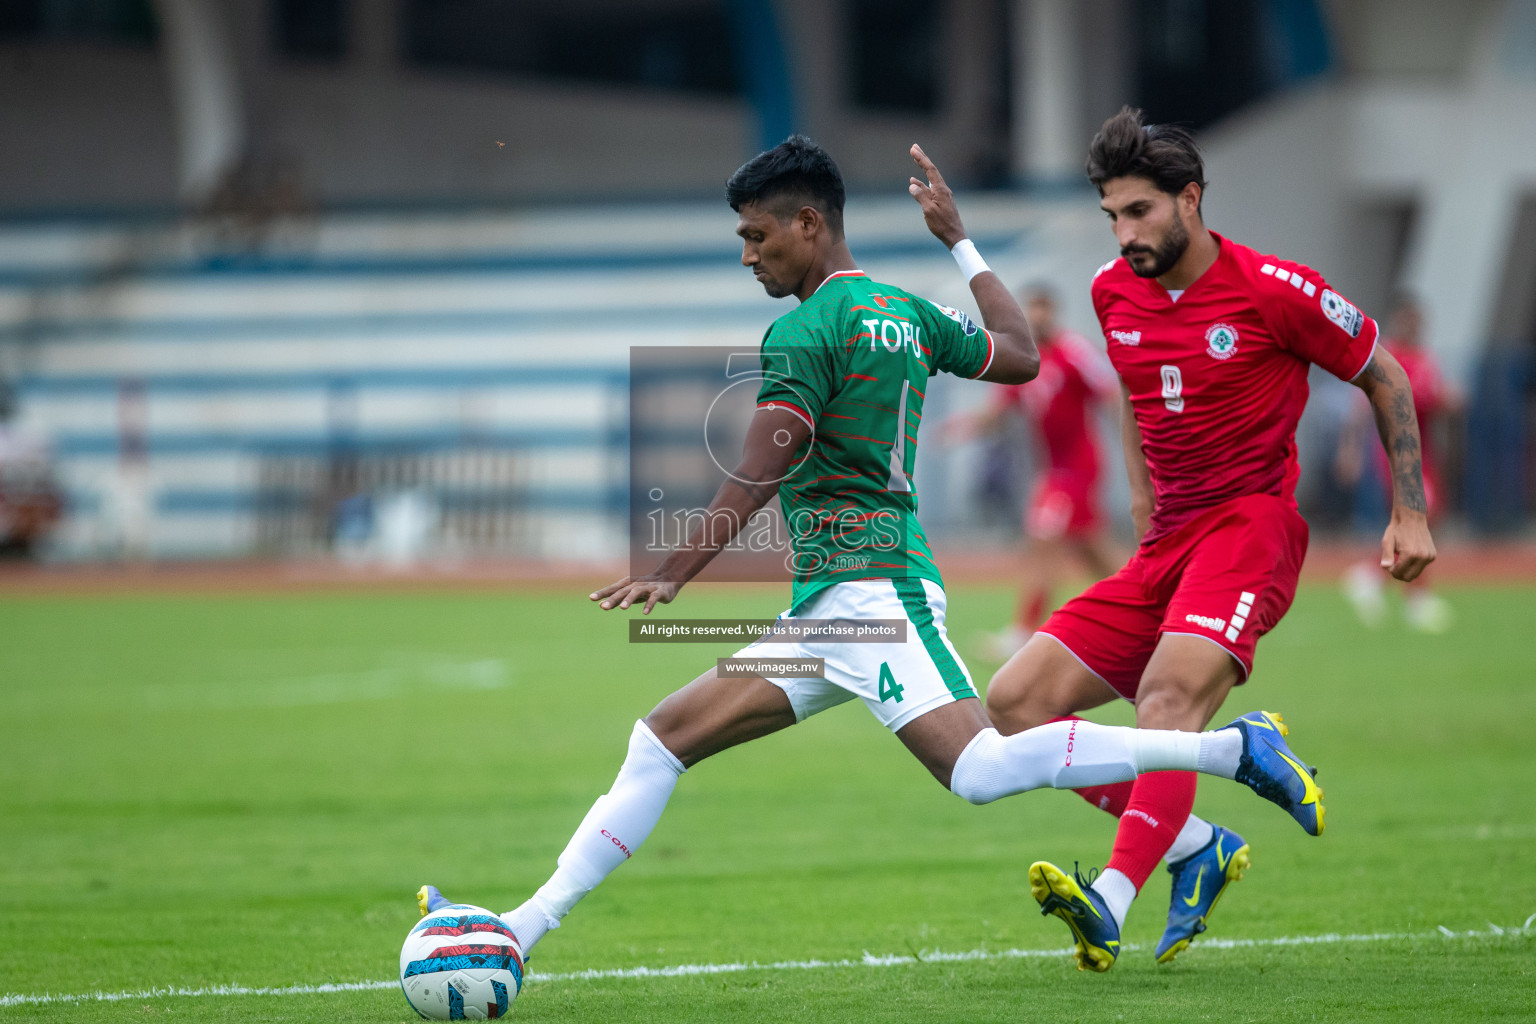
772	440
1143	496
1015	358
1406	547
1385	383
738	500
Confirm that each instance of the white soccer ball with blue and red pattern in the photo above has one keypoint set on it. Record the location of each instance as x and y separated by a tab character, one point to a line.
461	963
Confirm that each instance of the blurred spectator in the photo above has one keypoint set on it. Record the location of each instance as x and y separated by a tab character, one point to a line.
1062	521
1433	398
30	501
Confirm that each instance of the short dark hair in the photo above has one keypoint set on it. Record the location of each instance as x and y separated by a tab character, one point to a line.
796	170
1164	154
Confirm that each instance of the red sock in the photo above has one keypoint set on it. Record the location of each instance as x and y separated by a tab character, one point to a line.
1113	798
1160	804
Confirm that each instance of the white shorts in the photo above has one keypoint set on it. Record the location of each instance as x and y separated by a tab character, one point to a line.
897	681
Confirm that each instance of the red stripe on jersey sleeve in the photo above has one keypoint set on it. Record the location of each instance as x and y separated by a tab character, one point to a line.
788	407
991	351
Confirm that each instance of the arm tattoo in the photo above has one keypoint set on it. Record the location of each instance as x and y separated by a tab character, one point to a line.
1374	372
1398	426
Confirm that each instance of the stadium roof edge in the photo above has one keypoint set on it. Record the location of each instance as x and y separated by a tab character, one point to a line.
172	213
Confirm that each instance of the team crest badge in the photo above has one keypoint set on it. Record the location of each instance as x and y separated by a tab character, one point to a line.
1221	341
1342	312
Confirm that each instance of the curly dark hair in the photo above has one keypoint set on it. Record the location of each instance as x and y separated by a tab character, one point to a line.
795	173
1164	154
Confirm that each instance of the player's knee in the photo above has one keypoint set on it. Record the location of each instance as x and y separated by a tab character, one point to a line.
977	776
670	728
1168	704
1008	699
1019	700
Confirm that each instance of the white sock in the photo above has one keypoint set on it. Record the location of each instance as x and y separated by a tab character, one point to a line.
529	923
1190	840
1118	892
612	831
1220	751
1067	755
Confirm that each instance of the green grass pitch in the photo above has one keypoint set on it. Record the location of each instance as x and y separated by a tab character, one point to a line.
247	790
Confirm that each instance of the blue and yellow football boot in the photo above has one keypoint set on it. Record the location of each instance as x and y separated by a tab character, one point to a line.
1198	882
1075	902
1271	769
429	899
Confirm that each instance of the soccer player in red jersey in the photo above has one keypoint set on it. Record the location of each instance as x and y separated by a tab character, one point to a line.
1062	519
1433	397
1212	342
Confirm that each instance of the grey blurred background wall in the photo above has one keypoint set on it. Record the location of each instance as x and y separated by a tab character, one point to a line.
262	258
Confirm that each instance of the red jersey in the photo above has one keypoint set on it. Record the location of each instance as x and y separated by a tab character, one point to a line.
1218	378
1058	402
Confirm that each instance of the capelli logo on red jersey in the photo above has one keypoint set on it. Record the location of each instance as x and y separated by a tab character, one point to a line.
1126	337
1208	621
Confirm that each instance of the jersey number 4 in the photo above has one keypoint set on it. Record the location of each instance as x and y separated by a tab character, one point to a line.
890	689
1173	389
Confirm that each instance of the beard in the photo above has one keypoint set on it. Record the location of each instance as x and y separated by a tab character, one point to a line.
1164	256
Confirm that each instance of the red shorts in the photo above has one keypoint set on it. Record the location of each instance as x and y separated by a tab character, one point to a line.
1227	575
1062	505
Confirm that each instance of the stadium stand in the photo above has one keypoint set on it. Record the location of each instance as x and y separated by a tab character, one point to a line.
208	399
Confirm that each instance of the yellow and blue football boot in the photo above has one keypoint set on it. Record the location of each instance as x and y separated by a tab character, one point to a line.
1198	882
1075	902
429	899
1271	769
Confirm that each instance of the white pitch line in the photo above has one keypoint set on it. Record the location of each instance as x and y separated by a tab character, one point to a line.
692	970
209	990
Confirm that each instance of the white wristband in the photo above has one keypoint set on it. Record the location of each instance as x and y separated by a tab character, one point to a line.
969	259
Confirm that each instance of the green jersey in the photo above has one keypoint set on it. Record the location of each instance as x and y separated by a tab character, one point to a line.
853	361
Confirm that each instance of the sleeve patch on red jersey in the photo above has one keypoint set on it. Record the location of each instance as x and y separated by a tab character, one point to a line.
1342	312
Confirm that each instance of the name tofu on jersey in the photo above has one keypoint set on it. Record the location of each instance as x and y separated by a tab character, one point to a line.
856	357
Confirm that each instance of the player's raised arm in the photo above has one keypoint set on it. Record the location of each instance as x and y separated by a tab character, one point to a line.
773	438
1406	547
1016	360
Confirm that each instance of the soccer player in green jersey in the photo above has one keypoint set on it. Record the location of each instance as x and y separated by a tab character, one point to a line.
835	436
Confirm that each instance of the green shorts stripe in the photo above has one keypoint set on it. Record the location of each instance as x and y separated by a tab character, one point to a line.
915	600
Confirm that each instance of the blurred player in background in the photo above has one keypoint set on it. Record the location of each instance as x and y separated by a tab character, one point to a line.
1433	399
31	501
1062	519
1212	342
